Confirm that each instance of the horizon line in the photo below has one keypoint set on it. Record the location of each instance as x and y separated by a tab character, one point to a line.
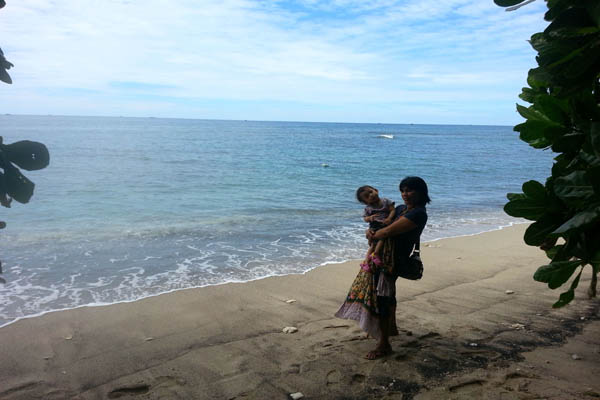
243	120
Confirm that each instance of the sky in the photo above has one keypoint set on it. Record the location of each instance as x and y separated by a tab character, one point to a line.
378	61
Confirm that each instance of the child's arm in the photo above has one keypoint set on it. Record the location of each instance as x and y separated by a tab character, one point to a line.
368	219
390	217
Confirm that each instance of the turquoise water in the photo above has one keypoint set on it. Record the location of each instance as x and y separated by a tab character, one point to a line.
132	207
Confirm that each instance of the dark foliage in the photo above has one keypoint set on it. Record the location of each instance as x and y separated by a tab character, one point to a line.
564	116
25	154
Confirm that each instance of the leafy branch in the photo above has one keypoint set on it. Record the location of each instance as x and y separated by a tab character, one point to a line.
23	154
564	116
4	65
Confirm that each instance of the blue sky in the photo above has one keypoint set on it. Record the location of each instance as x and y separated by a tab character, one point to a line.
388	61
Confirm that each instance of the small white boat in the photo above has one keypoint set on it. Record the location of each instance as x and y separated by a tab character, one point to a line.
386	136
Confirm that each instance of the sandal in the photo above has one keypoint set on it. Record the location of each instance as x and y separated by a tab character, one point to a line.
376	260
365	267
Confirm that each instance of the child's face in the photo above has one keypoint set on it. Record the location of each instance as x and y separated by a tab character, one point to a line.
370	197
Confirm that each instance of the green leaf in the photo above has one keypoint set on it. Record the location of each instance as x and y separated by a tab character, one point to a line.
595	136
591	160
508	3
551	253
539	130
515	196
4	76
525	208
541	43
573	17
566	297
560	167
556	273
573	187
595	258
573	32
556	7
538	78
529	95
593	9
562	252
569	143
554	3
533	132
553	108
537	232
576	64
580	220
535	190
584	108
593	175
532	114
17	185
565	251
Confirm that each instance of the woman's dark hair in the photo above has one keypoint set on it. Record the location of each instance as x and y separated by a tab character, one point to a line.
419	185
360	190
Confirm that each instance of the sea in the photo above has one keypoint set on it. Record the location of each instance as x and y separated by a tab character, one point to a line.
135	207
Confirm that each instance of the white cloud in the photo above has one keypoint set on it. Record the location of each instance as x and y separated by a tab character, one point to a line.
312	52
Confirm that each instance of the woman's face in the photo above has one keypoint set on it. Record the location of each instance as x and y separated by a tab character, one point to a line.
410	196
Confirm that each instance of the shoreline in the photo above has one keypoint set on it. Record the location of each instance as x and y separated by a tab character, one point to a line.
462	336
324	264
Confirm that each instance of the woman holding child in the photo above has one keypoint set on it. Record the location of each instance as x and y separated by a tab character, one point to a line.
372	297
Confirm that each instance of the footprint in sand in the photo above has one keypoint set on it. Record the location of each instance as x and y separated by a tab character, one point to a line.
358	379
143	388
334	377
140	388
293	369
467	385
429	335
168	381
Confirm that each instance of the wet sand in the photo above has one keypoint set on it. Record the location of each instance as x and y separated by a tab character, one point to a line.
463	336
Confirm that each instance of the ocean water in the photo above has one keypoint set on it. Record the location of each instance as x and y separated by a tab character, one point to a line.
134	207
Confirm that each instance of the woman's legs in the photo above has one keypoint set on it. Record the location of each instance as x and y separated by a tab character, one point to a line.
384	347
393	328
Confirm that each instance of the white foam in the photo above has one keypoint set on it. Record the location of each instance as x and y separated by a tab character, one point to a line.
217	263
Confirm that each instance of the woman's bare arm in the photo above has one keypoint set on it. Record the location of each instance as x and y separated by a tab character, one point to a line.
397	227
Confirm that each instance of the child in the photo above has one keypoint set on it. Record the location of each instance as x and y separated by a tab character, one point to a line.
361	301
378	213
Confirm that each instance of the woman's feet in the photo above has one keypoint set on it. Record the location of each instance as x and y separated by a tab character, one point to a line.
378	352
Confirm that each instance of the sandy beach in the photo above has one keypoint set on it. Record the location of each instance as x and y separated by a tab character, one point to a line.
463	336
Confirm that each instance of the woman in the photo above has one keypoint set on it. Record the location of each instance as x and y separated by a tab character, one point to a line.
372	298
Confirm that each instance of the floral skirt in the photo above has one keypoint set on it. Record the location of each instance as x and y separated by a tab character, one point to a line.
361	303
